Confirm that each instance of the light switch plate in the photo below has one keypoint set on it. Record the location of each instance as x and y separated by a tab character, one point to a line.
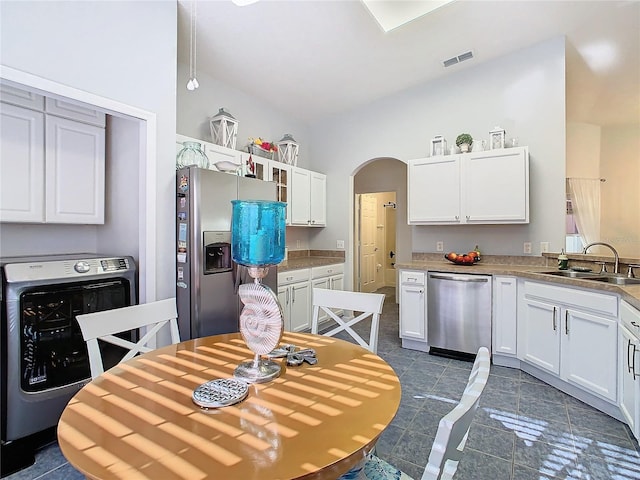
544	247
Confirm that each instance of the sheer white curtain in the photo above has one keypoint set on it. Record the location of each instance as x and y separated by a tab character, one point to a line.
585	197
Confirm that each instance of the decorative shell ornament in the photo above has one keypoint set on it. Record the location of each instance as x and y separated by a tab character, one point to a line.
261	318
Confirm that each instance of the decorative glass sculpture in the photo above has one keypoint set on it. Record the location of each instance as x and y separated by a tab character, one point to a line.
258	241
191	154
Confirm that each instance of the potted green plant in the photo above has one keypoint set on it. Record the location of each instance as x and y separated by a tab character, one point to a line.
464	142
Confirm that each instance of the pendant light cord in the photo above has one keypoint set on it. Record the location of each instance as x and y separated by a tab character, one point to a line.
192	83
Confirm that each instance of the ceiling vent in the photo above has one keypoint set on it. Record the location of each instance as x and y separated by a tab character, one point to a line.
460	58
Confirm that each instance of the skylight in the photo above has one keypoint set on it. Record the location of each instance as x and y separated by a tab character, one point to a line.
391	14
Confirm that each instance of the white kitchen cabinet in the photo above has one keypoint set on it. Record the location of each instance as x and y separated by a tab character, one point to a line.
75	111
21	164
433	188
308	198
294	295
496	186
558	328
413	306
329	277
20	97
260	166
629	366
504	325
75	172
52	170
490	187
280	174
217	153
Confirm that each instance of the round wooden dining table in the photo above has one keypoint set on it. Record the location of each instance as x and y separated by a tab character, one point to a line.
138	421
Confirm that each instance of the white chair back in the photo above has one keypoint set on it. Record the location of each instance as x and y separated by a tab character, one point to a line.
369	304
104	325
453	428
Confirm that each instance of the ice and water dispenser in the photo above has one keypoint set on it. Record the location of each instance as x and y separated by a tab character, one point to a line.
217	252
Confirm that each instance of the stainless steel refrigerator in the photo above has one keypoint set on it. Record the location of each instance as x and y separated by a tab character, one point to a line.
207	279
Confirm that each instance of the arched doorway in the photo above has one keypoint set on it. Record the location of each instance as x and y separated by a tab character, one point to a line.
379	223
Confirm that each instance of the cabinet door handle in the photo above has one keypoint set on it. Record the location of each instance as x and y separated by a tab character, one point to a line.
555	325
628	359
633	362
566	322
287	301
293	295
634	324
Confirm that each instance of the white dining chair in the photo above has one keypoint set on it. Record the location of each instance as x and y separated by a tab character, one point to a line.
368	304
451	436
106	324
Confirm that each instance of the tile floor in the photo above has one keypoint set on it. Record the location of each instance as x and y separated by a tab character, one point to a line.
523	429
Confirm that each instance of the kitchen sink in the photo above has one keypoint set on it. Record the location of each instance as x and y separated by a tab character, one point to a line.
617	280
597	277
572	274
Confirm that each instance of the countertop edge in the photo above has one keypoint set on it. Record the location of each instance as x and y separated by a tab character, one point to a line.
629	293
308	262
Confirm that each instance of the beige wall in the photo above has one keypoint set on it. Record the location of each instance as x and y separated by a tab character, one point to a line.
620	194
583	150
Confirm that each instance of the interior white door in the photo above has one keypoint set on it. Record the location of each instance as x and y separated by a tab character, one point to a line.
368	217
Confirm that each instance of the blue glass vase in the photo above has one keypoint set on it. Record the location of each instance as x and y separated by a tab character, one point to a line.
258	232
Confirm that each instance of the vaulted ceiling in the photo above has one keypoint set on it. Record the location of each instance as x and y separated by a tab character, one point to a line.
313	59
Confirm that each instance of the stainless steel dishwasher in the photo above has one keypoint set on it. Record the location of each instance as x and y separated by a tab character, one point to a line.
458	313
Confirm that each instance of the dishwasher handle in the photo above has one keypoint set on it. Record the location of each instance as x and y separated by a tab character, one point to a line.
459	279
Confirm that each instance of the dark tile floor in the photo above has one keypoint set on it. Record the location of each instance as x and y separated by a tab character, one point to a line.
523	429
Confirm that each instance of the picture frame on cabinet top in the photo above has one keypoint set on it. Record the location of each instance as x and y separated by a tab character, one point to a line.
496	138
438	146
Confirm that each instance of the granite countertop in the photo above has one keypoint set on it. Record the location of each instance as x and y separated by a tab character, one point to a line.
629	293
297	263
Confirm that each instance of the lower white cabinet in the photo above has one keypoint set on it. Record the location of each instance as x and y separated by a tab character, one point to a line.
413	305
629	366
505	311
330	277
294	295
571	333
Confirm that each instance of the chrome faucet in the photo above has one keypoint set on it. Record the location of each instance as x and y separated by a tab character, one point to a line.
616	257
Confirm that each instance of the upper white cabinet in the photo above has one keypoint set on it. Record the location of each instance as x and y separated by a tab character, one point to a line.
21	164
20	97
75	172
433	187
218	154
490	187
52	169
308	198
75	111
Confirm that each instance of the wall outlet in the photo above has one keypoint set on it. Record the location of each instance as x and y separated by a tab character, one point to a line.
339	243
544	247
527	247
440	246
